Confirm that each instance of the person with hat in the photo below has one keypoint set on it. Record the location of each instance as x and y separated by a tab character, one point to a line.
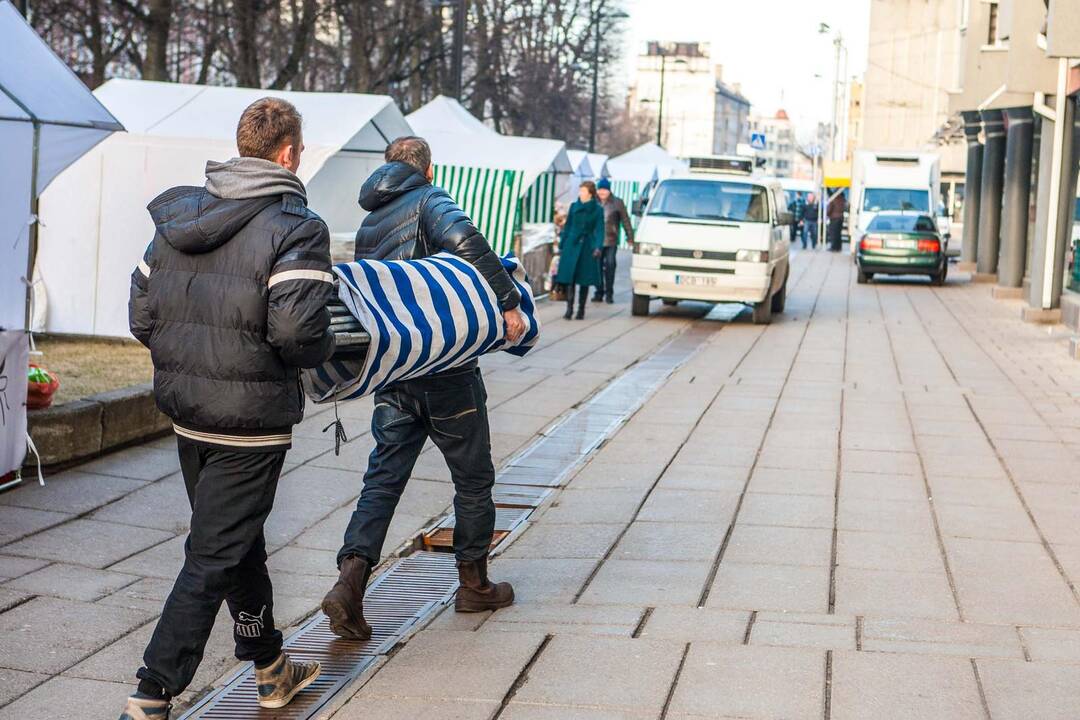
615	216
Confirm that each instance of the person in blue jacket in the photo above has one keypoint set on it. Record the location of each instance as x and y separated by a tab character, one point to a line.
580	244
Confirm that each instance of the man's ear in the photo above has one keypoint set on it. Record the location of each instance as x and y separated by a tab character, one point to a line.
430	174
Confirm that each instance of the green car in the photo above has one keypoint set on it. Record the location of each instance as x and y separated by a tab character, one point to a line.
902	243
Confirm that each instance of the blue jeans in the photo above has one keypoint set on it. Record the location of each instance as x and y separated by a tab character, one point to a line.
451	409
606	288
809	229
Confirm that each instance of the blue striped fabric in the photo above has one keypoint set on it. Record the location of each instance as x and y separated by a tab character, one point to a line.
424	316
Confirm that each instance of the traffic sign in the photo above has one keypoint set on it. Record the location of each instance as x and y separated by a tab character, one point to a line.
757	141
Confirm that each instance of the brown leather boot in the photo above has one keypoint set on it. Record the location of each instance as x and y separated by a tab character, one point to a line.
476	593
344	604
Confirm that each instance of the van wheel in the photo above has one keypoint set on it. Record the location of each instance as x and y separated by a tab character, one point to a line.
864	278
639	305
763	312
779	300
669	302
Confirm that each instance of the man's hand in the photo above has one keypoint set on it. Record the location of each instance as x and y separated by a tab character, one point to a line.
515	325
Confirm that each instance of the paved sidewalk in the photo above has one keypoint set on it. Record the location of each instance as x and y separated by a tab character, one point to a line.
86	561
865	510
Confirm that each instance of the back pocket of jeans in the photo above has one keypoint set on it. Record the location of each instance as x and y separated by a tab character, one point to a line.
453	412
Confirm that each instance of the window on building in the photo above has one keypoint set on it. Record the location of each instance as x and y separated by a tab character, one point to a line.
992	26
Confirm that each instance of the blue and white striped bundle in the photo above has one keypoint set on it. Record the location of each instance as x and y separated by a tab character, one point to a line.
424	316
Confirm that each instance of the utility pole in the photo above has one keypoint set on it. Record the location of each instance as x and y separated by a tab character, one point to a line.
595	82
838	42
660	114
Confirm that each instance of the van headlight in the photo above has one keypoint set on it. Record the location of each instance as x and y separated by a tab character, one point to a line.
645	248
752	256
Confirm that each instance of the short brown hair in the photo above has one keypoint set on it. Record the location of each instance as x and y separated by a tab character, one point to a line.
411	150
591	187
266	125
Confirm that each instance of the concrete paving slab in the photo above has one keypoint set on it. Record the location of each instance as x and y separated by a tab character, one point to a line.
73	582
139	463
18	522
941	638
813	630
882	486
694	624
887	687
527	711
71	492
369	708
667	540
713	478
69	699
14	683
907	552
92	543
770	587
794	482
893	593
162	505
750	682
1018	691
624	673
806	511
647	582
48	634
605	474
163	560
559	541
890	516
481	669
1051	644
13	567
540	580
593	506
986	523
755	544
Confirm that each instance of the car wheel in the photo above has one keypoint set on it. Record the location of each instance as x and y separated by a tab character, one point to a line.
762	314
864	278
938	278
669	302
639	305
779	300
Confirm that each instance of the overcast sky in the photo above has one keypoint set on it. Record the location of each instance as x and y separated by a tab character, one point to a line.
771	47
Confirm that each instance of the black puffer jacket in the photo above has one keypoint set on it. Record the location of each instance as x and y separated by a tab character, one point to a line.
231	297
411	219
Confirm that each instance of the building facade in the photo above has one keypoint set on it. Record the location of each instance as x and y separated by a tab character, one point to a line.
731	123
780	147
685	110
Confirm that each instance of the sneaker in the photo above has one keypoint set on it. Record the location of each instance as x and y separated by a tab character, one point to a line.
141	708
278	683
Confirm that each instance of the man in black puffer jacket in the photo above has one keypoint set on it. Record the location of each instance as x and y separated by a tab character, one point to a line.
409	219
231	297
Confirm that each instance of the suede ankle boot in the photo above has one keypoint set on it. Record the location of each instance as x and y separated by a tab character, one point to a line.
476	593
344	604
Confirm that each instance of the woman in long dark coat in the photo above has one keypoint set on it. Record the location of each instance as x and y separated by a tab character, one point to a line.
580	242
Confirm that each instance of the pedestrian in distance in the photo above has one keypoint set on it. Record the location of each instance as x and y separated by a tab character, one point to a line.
231	297
409	219
795	207
834	211
810	222
581	243
616	219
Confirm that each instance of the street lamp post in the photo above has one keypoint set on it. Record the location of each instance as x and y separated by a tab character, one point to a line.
838	43
660	113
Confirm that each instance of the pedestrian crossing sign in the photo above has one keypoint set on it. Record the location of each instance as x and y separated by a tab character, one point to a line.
757	141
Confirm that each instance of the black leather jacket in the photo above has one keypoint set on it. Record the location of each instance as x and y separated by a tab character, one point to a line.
410	219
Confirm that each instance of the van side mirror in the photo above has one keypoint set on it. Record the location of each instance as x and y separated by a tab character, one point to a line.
638	207
785	217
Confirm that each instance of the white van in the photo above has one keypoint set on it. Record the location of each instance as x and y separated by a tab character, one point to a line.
716	234
883	181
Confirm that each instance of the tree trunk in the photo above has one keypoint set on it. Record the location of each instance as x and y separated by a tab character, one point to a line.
158	23
247	43
302	32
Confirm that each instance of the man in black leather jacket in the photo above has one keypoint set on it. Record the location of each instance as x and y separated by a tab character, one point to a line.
409	219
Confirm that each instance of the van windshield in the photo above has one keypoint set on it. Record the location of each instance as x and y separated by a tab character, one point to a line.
878	199
902	223
710	200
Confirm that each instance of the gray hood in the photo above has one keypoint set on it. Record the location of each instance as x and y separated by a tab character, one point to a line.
247	177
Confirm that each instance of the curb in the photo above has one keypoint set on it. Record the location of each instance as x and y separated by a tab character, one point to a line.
91	426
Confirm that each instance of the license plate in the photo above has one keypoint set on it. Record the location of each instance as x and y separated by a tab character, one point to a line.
697	280
901	244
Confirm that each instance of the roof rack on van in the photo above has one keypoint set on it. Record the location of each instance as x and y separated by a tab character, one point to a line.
732	164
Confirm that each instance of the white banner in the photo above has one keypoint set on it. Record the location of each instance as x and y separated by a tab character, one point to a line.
14	360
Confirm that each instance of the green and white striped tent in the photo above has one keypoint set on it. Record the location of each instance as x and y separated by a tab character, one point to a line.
491	176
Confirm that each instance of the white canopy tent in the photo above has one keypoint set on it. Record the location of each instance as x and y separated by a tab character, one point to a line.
645	163
96	224
580	167
502	181
598	163
47	120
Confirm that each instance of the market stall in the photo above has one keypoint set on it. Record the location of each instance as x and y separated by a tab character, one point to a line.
48	119
99	204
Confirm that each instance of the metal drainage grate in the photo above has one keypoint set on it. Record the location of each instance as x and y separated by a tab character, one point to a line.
395	602
412	588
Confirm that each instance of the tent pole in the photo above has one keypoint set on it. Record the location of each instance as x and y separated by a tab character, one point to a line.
32	249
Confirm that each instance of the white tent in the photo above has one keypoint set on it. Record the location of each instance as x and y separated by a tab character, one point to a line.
598	163
502	181
580	166
644	164
47	120
173	130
